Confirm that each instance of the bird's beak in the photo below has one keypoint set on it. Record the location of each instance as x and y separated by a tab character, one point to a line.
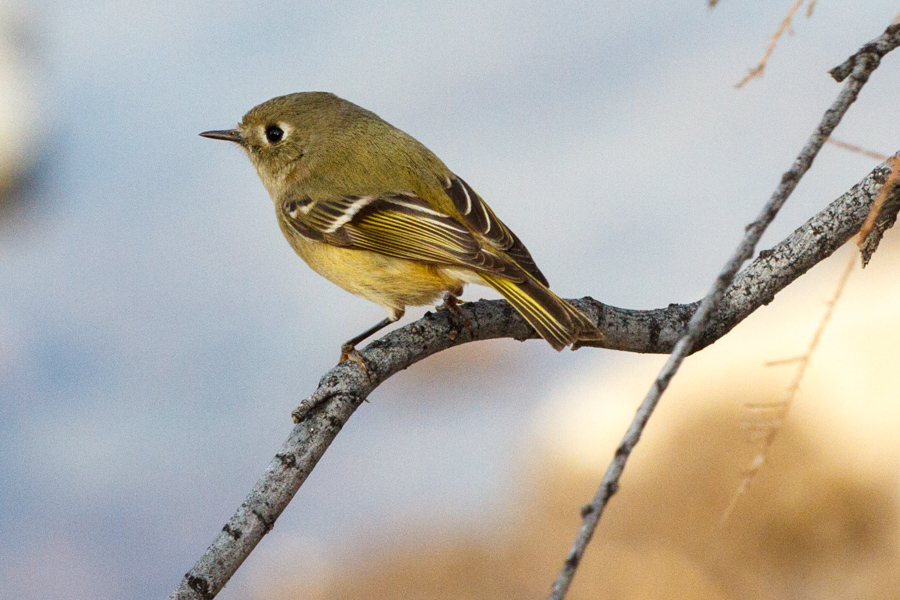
229	135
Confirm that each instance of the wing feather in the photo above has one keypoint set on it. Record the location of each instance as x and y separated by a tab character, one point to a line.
400	225
482	219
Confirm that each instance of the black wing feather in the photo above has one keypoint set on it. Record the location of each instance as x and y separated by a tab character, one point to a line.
482	219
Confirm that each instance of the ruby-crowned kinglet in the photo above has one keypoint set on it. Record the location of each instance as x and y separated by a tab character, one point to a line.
377	213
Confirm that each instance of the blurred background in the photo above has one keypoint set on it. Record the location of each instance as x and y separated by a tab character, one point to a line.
156	330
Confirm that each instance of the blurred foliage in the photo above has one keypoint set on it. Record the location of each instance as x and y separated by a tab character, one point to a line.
808	529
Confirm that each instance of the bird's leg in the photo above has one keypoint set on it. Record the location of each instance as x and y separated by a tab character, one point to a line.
451	304
348	348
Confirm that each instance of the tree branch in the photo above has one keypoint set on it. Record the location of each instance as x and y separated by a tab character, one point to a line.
859	67
646	331
345	387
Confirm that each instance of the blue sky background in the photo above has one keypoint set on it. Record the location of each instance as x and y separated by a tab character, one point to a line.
156	330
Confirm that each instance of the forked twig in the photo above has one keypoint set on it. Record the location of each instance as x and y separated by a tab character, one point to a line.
777	411
882	215
757	71
858	67
886	190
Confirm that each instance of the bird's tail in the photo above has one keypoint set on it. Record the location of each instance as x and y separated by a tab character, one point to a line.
553	318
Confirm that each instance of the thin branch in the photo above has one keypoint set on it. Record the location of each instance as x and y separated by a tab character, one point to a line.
772	426
888	188
863	66
778	411
875	50
858	149
346	386
757	71
645	331
810	8
782	361
884	214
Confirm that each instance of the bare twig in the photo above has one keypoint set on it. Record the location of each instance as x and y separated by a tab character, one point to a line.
646	331
857	149
757	71
864	63
875	50
777	411
886	191
882	216
653	331
810	8
779	362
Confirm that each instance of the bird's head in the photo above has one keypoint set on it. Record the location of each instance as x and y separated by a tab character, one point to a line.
287	137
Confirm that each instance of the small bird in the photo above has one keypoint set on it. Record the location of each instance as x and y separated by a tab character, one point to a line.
376	212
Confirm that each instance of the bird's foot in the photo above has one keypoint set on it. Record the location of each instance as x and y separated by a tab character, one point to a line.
349	352
451	304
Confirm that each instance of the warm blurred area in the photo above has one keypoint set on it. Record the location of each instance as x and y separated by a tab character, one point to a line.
19	112
821	520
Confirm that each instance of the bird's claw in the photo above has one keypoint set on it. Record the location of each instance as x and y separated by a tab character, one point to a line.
451	304
349	352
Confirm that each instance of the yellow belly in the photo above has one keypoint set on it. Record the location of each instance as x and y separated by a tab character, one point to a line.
394	283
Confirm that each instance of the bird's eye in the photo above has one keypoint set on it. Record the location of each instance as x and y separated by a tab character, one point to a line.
274	134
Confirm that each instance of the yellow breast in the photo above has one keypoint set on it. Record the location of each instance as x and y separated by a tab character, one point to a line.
393	283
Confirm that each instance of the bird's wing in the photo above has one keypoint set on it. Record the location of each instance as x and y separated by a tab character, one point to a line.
399	225
479	216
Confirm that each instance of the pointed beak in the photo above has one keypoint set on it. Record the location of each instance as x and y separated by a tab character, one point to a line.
229	135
